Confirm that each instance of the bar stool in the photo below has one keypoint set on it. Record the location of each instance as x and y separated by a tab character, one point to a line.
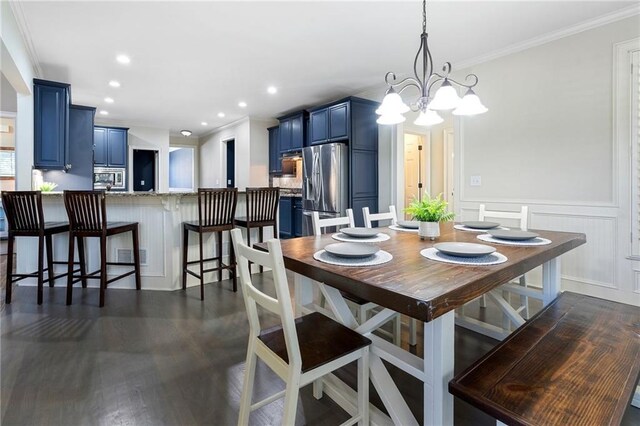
26	219
216	212
87	213
262	209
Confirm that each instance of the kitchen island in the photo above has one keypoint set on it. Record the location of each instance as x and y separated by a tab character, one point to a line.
160	217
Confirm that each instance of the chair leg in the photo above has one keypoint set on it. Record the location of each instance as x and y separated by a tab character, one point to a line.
261	239
136	256
9	279
82	259
249	244
247	388
219	242
363	387
185	252
201	266
70	269
233	266
40	268
291	398
483	301
524	300
318	388
413	332
103	269
51	274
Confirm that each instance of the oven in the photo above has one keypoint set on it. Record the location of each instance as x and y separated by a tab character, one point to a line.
109	178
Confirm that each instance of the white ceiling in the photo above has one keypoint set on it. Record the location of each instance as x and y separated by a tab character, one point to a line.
191	60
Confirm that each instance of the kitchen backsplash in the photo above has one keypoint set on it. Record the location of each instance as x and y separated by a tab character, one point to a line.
290	182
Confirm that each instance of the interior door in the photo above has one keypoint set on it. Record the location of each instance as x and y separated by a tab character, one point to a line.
231	164
412	163
144	170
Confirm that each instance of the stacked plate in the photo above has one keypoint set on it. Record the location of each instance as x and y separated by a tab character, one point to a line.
351	250
480	224
512	234
408	224
464	249
360	232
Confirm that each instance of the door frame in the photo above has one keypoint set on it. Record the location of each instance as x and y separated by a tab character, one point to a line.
223	162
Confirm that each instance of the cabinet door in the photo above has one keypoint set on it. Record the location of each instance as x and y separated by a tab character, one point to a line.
274	150
99	146
297	217
286	224
319	123
285	135
297	132
339	122
117	147
51	126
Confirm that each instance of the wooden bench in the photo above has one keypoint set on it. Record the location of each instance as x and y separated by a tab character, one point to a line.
576	362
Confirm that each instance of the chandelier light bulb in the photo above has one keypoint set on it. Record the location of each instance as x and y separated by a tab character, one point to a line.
470	105
428	118
446	98
392	104
388	119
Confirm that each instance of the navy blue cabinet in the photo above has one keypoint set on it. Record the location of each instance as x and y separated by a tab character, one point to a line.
275	162
110	146
51	125
293	132
330	123
339	122
319	126
297	216
286	216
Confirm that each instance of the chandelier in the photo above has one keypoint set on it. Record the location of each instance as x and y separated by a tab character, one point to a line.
446	97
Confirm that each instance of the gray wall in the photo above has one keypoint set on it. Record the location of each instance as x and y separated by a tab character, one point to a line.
181	168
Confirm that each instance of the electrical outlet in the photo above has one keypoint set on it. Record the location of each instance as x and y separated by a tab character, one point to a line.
476	180
142	182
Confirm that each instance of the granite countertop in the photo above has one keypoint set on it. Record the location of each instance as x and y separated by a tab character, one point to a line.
134	194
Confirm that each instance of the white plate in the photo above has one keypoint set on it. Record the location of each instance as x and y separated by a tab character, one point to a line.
512	234
360	232
352	250
409	224
479	224
464	249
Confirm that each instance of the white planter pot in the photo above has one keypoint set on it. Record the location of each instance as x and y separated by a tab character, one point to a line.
429	230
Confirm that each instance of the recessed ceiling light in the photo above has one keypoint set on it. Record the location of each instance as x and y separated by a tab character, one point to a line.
185	133
204	123
242	104
108	100
114	83
221	114
272	90
103	112
123	59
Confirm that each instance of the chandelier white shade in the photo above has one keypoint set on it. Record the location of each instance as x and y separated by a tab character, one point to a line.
428	118
445	98
470	105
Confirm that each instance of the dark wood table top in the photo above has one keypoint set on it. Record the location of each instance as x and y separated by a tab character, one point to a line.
575	363
414	285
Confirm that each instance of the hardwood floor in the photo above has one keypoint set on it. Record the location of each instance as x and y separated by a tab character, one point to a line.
158	358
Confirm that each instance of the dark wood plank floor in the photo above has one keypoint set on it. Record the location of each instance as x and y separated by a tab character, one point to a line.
158	358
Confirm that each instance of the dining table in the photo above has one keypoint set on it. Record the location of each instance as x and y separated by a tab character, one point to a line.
422	289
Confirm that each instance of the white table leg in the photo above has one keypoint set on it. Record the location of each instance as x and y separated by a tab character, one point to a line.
438	367
303	292
551	281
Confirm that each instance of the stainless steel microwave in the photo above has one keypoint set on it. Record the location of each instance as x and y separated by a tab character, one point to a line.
109	178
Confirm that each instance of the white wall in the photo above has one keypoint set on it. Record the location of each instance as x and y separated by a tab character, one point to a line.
252	154
19	71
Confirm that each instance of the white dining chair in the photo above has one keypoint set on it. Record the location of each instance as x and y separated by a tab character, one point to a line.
523	219
362	307
300	350
372	217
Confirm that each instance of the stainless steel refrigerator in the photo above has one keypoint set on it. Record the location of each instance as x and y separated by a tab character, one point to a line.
325	174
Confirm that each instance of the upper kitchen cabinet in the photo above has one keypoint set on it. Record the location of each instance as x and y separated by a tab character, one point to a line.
350	120
51	125
110	146
275	161
293	132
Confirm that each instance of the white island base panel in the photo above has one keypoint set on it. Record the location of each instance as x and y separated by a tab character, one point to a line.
160	218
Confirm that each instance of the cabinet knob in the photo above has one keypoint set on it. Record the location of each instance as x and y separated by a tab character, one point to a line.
67	166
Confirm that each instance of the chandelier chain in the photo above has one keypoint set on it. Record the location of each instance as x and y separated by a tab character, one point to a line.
424	16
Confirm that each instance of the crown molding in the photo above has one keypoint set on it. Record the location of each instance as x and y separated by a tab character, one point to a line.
225	126
618	15
23	27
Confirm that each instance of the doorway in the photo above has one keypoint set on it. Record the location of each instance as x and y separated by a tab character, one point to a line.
414	168
448	164
181	169
144	170
231	163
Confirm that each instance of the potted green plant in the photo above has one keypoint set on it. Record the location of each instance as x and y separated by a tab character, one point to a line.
48	186
429	212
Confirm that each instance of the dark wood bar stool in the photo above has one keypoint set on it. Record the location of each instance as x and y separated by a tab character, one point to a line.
262	209
216	212
26	219
87	213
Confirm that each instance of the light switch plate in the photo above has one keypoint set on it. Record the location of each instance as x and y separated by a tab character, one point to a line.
476	180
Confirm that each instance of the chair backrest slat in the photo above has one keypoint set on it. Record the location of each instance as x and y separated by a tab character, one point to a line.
87	210
217	206
371	217
280	305
321	224
522	215
262	204
23	210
